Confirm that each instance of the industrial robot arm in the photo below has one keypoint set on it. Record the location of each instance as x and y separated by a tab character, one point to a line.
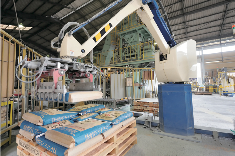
147	11
174	63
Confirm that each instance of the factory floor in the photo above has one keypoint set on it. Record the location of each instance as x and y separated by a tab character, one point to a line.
150	144
209	111
214	111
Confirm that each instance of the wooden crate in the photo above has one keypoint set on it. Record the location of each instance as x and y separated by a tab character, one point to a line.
116	144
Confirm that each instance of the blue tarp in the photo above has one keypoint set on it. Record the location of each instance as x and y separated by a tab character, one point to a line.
115	117
90	108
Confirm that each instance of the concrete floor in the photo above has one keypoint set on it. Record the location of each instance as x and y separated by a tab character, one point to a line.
214	111
149	144
209	111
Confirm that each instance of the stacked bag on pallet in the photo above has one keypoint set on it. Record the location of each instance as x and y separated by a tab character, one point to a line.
84	117
37	123
77	133
57	131
115	117
46	117
103	110
30	130
89	108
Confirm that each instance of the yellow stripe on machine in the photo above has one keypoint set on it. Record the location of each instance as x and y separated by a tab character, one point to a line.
107	27
102	32
98	36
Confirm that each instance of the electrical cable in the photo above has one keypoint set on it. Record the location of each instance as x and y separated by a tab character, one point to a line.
17	19
40	70
93	17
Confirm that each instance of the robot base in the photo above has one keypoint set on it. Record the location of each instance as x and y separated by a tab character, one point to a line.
176	109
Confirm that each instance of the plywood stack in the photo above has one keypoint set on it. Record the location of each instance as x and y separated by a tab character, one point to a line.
3	113
140	106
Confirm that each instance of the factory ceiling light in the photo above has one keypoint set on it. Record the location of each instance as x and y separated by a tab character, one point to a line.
21	27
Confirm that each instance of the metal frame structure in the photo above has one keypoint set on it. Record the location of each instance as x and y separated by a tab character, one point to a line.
23	90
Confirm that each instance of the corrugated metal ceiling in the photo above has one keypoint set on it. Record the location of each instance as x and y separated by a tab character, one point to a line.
200	20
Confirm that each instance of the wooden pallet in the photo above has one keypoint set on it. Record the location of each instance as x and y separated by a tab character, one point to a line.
144	104
30	147
116	144
202	93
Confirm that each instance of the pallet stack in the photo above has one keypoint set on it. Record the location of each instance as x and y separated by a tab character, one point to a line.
115	142
140	106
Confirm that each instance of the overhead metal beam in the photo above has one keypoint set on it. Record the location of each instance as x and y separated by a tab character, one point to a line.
185	27
203	28
215	37
56	4
177	24
104	13
223	19
102	3
41	47
203	24
221	28
26	16
5	4
200	9
216	40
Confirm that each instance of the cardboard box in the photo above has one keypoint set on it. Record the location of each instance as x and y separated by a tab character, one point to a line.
7	64
17	91
146	75
129	81
136	84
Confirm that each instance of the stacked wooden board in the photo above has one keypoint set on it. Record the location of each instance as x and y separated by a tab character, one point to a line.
140	106
3	113
202	93
116	142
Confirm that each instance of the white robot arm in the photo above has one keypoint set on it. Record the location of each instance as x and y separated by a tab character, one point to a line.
178	63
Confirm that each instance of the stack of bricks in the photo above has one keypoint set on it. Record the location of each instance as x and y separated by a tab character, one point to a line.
28	147
140	106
